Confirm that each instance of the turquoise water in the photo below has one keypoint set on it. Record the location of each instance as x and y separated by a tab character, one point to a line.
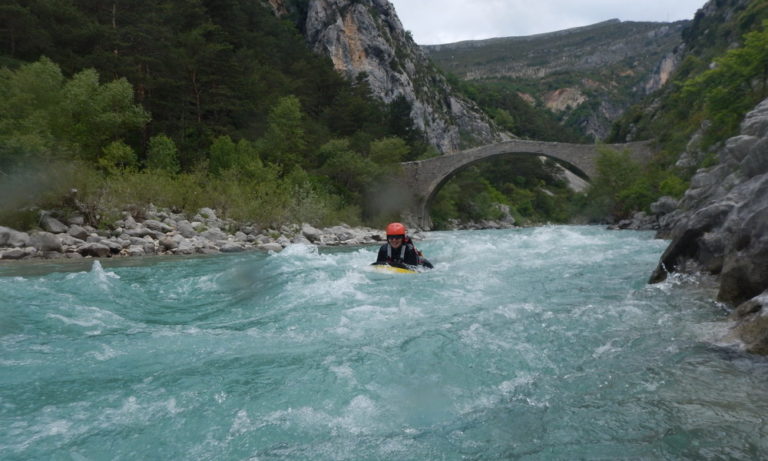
540	343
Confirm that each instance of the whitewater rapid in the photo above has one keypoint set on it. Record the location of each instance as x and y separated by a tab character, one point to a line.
541	343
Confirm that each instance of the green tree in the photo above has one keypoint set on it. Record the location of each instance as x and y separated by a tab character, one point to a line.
620	186
162	154
242	156
388	151
43	114
350	172
223	155
737	82
29	98
284	141
92	114
118	157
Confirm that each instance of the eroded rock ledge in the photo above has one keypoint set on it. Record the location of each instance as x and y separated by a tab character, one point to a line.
721	227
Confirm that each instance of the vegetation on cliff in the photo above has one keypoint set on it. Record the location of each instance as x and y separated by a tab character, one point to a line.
585	76
717	83
722	77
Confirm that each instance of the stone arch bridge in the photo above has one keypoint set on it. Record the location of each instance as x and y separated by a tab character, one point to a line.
423	178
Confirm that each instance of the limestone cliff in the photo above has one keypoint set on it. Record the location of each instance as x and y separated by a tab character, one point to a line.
365	37
588	75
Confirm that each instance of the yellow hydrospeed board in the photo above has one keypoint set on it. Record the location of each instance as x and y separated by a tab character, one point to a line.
393	269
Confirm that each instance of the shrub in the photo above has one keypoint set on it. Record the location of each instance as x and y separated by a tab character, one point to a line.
162	155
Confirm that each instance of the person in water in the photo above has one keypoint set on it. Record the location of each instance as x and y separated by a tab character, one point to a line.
399	250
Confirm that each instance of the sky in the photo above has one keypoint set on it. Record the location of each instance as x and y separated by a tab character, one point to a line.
434	22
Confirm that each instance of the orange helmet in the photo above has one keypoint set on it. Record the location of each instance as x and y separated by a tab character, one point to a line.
395	228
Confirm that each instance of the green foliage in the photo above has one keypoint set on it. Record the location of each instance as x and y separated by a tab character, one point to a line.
43	115
350	172
224	155
162	155
389	151
671	185
284	141
500	99
29	99
619	185
716	82
623	186
737	82
207	69
227	85
532	190
92	114
117	157
260	196
711	92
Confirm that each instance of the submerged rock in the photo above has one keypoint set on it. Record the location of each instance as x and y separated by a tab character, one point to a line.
752	324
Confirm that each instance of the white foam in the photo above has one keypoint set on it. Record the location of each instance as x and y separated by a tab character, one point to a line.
88	317
358	417
604	349
104	354
241	424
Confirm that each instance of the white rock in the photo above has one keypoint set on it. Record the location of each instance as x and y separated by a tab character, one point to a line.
314	235
52	225
273	246
13	238
45	241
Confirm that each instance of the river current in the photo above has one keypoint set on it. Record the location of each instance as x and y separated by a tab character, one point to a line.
541	343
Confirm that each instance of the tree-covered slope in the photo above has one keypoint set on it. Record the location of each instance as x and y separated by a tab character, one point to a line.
720	78
201	68
586	76
226	92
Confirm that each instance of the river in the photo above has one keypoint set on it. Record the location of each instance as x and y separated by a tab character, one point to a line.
540	343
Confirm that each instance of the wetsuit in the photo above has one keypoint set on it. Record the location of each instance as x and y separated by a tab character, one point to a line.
406	255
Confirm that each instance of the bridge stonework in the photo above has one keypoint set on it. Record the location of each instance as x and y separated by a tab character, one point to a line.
423	178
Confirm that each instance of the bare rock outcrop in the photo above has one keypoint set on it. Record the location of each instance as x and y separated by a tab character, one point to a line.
721	224
366	38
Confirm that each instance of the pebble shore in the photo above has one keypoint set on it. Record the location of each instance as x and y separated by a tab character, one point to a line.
162	232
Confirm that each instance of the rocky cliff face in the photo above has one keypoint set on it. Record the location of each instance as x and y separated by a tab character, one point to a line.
721	227
365	37
588	75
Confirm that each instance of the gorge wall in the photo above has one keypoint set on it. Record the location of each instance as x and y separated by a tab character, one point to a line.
721	227
587	75
366	38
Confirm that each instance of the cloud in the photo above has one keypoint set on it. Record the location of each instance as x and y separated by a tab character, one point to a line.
445	21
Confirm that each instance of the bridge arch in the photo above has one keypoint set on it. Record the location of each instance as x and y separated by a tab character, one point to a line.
423	178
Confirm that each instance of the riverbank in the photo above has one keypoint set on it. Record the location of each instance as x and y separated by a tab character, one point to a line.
162	232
